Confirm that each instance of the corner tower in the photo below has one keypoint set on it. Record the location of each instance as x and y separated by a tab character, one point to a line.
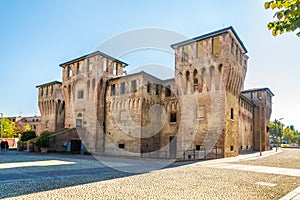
210	71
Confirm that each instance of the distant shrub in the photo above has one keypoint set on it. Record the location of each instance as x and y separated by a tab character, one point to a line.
44	140
28	135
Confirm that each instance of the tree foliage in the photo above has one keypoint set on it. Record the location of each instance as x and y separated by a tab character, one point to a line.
288	134
9	128
28	135
287	16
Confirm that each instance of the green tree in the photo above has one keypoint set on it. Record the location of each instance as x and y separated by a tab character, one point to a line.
287	17
276	128
8	128
28	135
288	134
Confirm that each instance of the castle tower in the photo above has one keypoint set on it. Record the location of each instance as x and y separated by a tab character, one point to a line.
84	89
51	105
209	74
262	98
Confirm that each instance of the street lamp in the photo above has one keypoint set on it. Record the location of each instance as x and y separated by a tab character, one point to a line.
277	129
260	145
1	127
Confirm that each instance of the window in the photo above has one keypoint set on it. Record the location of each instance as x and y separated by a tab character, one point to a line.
231	113
200	148
105	68
231	148
215	45
168	91
259	94
115	71
80	94
195	79
157	89
200	49
34	127
47	124
90	66
37	120
185	53
79	120
123	88
32	120
113	89
148	87
121	146
79	68
133	86
70	71
173	118
200	112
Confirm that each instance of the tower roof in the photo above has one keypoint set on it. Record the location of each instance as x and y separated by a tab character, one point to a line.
229	29
90	55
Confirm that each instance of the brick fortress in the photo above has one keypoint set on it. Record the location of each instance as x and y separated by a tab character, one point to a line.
203	111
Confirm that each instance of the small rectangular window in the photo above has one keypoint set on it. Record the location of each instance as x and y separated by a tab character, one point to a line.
90	66
157	90
113	90
148	87
185	53
123	88
105	66
121	146
200	49
231	113
173	118
231	148
215	45
259	94
200	112
133	86
168	91
70	72
80	94
200	148
115	70
78	123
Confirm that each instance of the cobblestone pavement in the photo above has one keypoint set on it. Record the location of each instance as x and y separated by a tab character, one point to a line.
85	178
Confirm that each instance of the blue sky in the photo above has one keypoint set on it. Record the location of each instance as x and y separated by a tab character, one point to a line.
36	36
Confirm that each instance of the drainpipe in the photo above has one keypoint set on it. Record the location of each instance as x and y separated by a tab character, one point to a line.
104	114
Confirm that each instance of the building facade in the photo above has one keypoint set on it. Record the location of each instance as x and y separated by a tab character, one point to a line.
203	111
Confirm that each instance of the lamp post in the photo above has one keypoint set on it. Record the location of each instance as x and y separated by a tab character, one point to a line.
260	145
1	127
277	130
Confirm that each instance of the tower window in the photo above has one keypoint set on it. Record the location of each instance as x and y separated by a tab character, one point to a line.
148	87
113	89
215	45
90	66
173	118
69	71
185	53
168	91
133	86
231	113
105	68
79	120
157	90
115	71
80	94
200	49
123	88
